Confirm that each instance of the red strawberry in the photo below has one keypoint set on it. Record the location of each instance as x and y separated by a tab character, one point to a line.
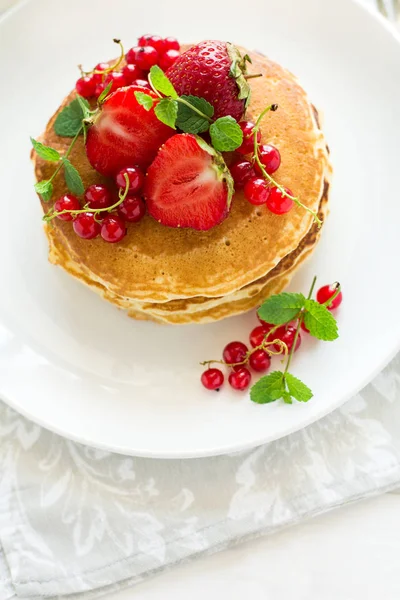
214	71
124	133
188	184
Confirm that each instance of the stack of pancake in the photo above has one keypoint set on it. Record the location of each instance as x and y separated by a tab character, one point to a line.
185	276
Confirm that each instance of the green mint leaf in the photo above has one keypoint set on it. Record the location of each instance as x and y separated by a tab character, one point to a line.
166	111
85	108
104	93
226	135
190	121
144	100
72	178
297	388
161	83
69	122
320	322
281	308
44	189
287	398
268	388
45	152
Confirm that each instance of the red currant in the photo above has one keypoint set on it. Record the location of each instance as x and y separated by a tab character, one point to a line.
135	176
143	83
117	80
234	352
287	334
240	379
171	43
326	292
270	158
67	202
257	191
258	334
241	172
157	42
212	379
247	146
100	87
86	226
86	86
98	196
143	56
132	209
277	203
168	58
260	361
142	41
131	73
113	229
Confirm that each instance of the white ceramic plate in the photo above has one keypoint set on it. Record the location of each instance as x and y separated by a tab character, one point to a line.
78	366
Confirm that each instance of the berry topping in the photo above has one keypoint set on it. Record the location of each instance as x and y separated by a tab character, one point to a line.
241	171
98	196
86	86
135	176
258	334
67	202
240	379
117	80
113	229
270	158
171	43
260	361
131	73
86	226
205	70
168	58
157	42
188	184
142	41
132	209
247	146
212	379
234	352
326	292
143	56
257	191
278	203
287	334
124	133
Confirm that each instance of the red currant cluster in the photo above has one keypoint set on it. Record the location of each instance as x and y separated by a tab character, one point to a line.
151	50
248	174
239	357
97	216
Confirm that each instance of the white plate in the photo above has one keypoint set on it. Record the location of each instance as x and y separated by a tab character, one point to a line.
78	366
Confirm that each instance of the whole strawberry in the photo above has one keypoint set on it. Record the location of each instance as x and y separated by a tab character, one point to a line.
215	71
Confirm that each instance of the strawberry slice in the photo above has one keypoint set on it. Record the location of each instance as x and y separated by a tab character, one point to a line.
188	184
124	133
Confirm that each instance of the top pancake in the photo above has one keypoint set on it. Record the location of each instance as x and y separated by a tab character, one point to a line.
155	263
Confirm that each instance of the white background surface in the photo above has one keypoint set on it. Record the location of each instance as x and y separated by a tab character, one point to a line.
350	554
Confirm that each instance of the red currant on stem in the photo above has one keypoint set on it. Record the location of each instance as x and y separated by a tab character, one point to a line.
157	42
278	203
287	334
142	41
135	177
113	229
86	226
98	196
260	361
240	379
100	87
86	86
212	379
270	158
143	56
241	172
234	352
131	73
168	58
328	292
247	145
66	202
258	334
100	67
132	209
257	191
117	80
171	43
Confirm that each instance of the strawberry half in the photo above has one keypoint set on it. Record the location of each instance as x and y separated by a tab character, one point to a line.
188	184
214	71
124	133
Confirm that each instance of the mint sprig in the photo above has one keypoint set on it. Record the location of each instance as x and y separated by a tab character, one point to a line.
69	121
72	178
226	135
45	152
166	111
281	308
191	121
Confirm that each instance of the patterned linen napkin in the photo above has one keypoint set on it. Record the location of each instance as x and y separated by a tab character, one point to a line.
80	521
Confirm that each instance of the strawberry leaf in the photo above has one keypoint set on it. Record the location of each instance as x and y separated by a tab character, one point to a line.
104	94
189	120
161	83
69	121
72	178
297	388
45	152
44	189
167	111
320	322
281	308
268	388
144	100
226	135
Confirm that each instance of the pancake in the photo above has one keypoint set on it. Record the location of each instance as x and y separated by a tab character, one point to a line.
182	275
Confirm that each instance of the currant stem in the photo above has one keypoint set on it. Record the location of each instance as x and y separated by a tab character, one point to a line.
68	152
109	69
332	298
